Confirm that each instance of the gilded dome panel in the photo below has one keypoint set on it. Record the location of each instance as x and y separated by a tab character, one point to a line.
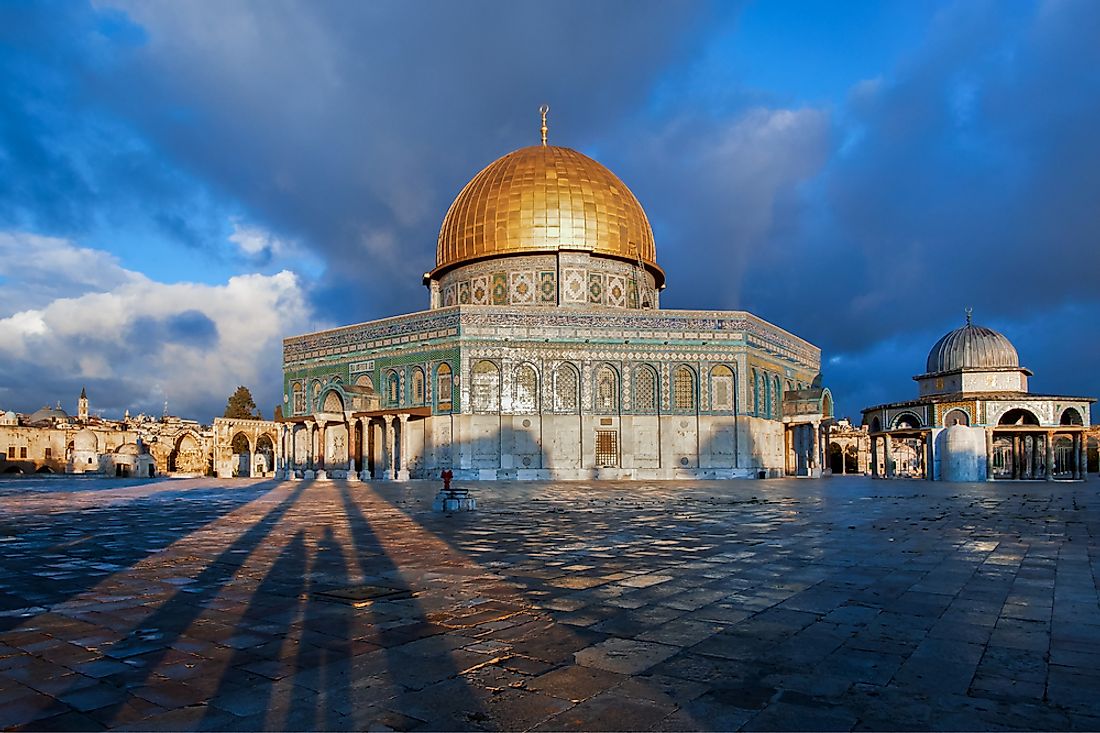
541	199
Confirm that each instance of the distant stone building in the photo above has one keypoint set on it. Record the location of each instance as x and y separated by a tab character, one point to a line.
544	353
974	419
49	440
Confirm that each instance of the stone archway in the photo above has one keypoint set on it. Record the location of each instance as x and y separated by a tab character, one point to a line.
263	462
242	455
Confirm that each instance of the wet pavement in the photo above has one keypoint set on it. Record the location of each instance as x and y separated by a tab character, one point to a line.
838	604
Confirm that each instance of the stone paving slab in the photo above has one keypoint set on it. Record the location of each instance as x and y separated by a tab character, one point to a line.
834	604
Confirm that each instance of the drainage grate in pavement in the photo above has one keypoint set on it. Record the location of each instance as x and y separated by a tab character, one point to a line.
363	595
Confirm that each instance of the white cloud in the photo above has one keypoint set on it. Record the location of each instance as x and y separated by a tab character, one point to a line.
189	343
257	242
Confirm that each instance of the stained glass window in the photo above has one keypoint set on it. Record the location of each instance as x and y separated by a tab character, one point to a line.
443	387
645	390
527	390
607	391
565	388
683	389
721	388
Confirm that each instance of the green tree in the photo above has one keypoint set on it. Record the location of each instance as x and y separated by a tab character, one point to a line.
241	405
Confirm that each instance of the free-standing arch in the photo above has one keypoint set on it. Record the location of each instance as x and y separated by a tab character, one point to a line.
242	454
264	460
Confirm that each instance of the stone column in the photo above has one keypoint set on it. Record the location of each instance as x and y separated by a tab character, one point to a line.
386	471
292	444
888	452
402	471
874	457
929	456
1050	455
1078	457
1083	452
988	455
815	446
1015	456
364	448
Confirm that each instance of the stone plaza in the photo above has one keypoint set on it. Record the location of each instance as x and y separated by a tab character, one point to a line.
828	604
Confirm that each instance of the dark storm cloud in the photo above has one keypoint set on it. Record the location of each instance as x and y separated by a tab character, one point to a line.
967	177
352	126
187	328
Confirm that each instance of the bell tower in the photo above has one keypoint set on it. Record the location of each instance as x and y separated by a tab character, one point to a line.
82	406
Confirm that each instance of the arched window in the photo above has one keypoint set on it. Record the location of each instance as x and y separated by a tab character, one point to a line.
683	388
721	389
755	393
607	391
443	385
645	390
299	399
417	386
777	388
393	389
315	397
767	395
485	389
956	417
333	402
526	400
565	388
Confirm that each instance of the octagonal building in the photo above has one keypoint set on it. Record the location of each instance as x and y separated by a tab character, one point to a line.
544	354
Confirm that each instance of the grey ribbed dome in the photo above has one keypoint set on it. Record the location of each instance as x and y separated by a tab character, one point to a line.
972	347
45	414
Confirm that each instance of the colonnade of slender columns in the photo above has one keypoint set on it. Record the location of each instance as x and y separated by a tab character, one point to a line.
386	434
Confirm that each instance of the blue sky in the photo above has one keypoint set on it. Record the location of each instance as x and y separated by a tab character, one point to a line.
183	184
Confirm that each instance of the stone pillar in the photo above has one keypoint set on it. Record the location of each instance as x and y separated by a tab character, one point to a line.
1082	456
887	451
1078	457
929	456
386	471
988	455
322	446
364	448
1015	456
874	457
292	433
815	445
1050	455
402	471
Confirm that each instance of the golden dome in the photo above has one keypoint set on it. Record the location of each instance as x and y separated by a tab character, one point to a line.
543	199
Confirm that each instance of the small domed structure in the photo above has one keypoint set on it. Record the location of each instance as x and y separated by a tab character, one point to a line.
86	440
47	414
972	347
